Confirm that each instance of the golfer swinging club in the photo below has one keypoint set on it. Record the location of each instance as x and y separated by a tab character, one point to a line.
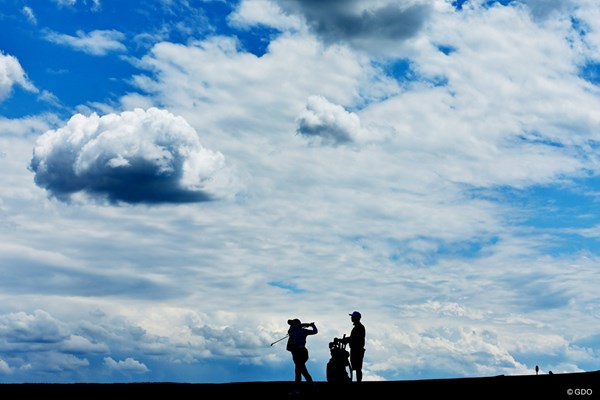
297	346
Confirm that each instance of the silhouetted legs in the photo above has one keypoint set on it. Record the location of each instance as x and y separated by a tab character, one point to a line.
301	371
356	360
300	358
358	376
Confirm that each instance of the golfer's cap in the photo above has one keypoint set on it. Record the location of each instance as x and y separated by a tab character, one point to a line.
355	314
294	321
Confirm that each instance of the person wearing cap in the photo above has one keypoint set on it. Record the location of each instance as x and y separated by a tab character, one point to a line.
356	340
297	346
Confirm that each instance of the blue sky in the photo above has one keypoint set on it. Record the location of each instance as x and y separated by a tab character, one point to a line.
179	178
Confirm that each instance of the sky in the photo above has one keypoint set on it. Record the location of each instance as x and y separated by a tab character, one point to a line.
181	177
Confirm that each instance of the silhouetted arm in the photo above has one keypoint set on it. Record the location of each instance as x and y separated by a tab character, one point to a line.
314	329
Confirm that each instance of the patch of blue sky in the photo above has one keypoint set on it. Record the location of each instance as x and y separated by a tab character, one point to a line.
559	206
22	103
567	205
287	286
590	343
579	26
88	78
83	79
436	249
446	49
399	69
253	40
76	77
437	81
501	2
590	72
403	71
565	214
457	4
256	40
71	75
572	243
537	138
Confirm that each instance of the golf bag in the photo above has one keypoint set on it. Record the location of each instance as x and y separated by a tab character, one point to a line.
338	367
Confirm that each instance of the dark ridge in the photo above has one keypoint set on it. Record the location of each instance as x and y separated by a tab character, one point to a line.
551	386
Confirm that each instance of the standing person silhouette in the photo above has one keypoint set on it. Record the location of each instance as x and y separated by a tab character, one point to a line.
357	344
297	346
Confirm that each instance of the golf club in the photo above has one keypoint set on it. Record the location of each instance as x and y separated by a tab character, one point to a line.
279	340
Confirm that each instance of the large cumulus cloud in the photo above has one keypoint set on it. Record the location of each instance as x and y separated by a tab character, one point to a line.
139	156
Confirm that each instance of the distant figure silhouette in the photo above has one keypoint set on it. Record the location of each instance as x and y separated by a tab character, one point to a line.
297	346
537	369
357	344
550	372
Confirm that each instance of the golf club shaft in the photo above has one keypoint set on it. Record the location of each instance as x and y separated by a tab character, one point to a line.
279	340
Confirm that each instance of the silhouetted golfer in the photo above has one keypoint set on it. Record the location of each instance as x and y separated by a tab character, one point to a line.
297	346
357	344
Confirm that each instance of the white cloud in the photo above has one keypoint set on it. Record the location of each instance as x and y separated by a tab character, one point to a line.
81	344
328	123
587	15
57	363
97	42
30	328
545	8
467	350
27	125
4	368
68	3
28	12
217	87
250	13
96	5
11	74
511	108
129	365
49	98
